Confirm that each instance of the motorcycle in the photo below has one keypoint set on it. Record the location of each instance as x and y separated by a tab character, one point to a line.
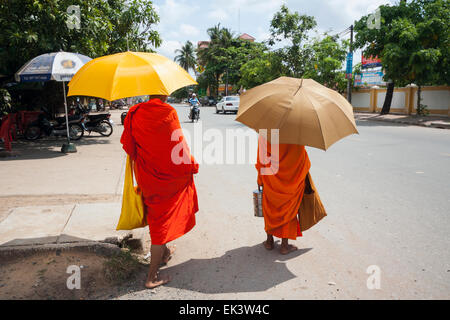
100	123
194	112
55	127
118	104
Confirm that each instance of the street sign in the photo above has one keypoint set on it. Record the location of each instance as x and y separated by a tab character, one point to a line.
370	62
349	68
369	78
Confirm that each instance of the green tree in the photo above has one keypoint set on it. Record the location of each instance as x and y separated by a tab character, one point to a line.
5	102
186	56
412	42
267	67
325	66
33	27
293	27
215	58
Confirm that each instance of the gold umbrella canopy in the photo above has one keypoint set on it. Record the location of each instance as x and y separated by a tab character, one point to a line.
304	111
129	74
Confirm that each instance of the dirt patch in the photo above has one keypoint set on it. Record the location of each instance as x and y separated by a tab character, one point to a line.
45	275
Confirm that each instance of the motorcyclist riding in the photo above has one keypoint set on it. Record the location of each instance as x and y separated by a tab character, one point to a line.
194	112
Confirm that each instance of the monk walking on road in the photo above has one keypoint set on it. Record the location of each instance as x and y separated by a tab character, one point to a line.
167	183
283	187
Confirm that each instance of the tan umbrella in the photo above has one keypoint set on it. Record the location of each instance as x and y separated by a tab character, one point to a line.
304	111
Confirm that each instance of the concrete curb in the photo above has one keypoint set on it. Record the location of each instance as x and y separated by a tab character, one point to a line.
428	124
107	249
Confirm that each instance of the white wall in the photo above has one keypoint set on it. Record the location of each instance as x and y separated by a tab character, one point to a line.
361	99
398	100
436	100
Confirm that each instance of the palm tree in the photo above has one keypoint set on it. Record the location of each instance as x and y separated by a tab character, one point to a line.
186	56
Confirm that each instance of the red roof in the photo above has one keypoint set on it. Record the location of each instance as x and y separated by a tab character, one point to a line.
246	36
203	44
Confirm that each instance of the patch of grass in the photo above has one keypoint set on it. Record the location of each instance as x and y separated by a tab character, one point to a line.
120	267
42	272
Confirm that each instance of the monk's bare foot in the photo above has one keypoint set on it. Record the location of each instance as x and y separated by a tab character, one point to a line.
268	244
157	281
288	249
168	254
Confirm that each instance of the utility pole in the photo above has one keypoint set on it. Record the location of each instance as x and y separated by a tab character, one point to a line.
239	21
226	85
349	75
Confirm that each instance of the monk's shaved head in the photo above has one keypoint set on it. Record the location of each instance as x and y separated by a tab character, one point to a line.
160	97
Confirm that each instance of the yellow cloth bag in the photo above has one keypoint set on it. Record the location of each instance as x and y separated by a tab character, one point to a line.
132	215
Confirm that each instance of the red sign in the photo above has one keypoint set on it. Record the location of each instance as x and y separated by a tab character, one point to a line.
370	62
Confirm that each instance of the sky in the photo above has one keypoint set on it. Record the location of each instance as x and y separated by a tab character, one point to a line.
182	20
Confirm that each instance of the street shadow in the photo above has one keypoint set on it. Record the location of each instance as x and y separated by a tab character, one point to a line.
46	148
245	269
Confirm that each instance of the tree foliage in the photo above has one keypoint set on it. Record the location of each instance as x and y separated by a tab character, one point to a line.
294	28
325	64
223	58
33	27
412	42
186	56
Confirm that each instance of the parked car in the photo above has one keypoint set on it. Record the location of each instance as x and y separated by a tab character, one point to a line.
204	101
212	101
228	103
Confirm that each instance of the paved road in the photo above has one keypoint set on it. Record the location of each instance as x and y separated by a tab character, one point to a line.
386	192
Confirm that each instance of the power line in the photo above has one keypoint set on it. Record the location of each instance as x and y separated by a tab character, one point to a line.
343	32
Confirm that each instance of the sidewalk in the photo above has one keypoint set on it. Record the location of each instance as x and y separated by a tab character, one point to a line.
63	200
433	121
61	224
38	227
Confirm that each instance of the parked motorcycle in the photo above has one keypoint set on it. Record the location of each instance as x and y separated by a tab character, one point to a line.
55	127
123	116
100	123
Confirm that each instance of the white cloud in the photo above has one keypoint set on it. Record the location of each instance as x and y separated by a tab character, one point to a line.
218	14
189	30
168	48
172	12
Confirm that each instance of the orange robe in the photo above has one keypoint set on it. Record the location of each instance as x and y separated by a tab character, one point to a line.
283	191
168	188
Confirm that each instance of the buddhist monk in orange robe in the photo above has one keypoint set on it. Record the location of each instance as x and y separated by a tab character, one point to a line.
283	190
164	170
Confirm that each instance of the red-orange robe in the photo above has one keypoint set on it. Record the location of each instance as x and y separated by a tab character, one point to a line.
5	132
283	191
168	188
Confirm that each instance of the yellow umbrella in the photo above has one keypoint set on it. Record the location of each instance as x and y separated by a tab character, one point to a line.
304	111
129	74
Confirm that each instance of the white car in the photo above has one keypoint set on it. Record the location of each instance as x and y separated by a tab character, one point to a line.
228	103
